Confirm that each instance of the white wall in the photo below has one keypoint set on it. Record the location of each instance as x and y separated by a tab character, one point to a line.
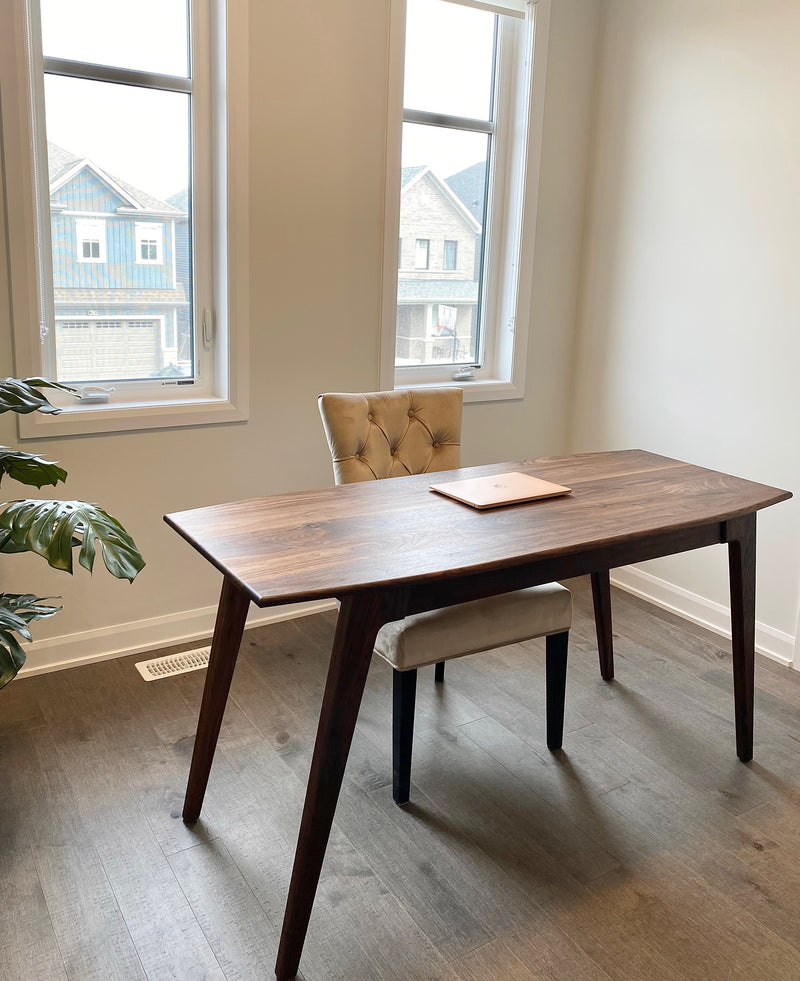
689	326
317	139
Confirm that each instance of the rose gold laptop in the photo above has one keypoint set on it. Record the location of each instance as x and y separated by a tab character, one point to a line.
500	489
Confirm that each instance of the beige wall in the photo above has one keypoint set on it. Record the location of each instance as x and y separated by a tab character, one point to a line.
688	340
317	138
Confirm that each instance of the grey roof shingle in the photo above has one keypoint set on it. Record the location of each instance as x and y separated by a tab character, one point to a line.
407	174
438	290
469	185
106	295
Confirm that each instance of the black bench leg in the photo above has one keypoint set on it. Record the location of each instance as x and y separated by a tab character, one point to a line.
404	690
556	687
439	674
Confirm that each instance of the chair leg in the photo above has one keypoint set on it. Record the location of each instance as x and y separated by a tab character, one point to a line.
404	690
439	673
556	653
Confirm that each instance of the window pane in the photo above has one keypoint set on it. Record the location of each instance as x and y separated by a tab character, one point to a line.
150	36
121	230
441	204
449	59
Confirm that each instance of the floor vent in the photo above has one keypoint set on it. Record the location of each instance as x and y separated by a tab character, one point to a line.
165	667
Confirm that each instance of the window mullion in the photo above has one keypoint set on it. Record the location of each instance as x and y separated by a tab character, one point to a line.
122	76
447	121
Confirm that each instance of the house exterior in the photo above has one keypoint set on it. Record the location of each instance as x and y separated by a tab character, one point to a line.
438	272
121	276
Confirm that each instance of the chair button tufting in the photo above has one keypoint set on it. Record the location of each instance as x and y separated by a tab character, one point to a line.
370	417
410	413
435	445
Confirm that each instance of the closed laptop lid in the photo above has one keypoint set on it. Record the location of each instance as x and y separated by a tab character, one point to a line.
499	489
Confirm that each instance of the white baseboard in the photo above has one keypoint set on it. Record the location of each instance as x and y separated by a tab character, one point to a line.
139	636
772	643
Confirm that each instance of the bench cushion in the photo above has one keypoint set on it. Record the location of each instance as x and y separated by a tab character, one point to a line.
479	625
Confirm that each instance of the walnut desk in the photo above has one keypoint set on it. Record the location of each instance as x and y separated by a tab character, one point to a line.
390	548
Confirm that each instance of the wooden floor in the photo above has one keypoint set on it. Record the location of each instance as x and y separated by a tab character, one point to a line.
644	850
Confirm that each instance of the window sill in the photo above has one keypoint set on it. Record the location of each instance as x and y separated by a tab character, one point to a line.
122	417
485	390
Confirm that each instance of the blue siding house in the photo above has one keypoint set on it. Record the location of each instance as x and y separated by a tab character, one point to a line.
121	275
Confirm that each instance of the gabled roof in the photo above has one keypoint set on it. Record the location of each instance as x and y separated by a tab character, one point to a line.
413	175
64	165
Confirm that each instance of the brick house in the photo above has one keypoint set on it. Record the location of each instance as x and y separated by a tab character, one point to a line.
437	288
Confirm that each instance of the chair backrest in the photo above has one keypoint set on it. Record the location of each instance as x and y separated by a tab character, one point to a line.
392	434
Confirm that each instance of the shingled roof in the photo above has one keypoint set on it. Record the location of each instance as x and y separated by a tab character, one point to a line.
61	161
438	290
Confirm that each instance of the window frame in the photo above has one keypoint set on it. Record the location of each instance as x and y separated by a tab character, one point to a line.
149	231
520	108
425	250
222	392
451	254
83	229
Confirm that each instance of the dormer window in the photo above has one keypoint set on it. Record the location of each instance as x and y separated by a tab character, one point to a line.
90	235
149	242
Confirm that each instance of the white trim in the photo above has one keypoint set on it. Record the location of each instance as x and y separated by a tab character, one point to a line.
150	231
511	8
502	376
219	391
796	657
772	643
90	230
139	636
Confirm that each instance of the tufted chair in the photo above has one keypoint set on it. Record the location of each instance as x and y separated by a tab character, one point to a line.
394	434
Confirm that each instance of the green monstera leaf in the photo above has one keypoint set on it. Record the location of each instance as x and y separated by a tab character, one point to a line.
17	610
53	528
27	468
21	395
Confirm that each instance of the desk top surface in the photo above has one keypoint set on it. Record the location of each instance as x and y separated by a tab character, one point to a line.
339	540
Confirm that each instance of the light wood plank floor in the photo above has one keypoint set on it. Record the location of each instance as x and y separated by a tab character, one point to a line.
644	850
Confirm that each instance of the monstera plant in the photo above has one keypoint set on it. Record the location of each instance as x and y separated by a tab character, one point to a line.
52	529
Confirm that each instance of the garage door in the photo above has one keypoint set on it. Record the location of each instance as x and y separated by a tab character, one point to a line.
105	350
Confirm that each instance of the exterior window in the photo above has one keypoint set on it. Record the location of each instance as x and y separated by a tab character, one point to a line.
464	81
91	237
128	167
149	242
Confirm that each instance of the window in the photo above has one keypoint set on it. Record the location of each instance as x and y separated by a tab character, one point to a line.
130	160
91	240
461	180
149	242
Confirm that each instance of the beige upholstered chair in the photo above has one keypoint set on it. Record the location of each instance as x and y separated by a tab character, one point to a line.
393	434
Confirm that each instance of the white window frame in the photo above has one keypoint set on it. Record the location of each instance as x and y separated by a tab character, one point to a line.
149	231
90	230
511	233
220	215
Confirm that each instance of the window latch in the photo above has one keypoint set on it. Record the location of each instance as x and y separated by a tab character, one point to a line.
208	327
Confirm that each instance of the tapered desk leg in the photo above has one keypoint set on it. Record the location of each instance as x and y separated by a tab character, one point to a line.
741	535
601	595
360	618
231	616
